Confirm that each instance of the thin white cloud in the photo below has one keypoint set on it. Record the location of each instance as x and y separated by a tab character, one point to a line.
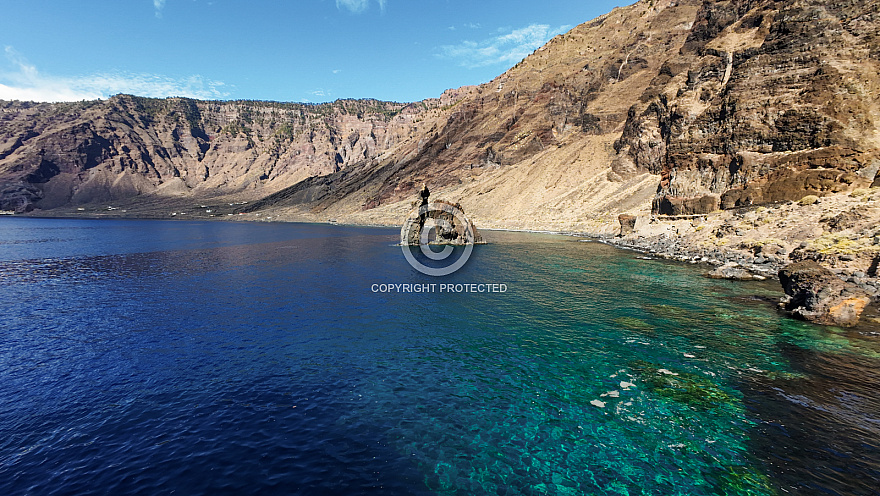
354	6
508	48
358	6
159	5
25	82
470	25
318	95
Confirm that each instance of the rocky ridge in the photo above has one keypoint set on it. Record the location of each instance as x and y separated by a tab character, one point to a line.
671	107
129	149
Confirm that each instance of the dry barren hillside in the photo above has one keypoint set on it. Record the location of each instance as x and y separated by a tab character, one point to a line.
671	107
133	150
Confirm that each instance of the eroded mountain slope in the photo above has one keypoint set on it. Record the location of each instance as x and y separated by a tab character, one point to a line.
670	107
129	148
675	107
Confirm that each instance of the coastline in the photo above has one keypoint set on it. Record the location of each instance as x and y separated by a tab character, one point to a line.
753	242
667	238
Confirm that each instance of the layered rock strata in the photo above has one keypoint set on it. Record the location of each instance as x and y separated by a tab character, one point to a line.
125	148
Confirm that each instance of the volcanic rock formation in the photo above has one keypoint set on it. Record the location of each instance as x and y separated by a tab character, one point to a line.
673	107
439	223
58	155
816	294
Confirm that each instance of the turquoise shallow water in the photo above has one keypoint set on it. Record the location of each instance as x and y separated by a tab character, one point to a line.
157	357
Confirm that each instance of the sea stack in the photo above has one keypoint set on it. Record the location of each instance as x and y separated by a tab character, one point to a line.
438	223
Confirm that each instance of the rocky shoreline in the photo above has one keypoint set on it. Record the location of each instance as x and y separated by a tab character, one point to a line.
671	249
750	267
832	297
832	245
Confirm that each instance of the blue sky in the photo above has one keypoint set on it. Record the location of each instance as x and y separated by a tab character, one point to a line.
303	50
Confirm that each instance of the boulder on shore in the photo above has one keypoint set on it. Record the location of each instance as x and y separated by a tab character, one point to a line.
816	294
627	223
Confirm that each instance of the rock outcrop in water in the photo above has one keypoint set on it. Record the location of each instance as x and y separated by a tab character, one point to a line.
445	222
814	293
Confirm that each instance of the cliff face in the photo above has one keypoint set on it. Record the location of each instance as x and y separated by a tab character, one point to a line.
56	155
765	102
537	139
675	107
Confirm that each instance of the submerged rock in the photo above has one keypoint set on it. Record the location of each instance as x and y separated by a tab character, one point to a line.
635	324
741	479
684	387
816	294
733	271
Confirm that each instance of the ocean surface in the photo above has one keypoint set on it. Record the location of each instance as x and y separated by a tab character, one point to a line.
160	357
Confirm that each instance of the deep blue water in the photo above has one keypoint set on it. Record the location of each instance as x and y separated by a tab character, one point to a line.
159	357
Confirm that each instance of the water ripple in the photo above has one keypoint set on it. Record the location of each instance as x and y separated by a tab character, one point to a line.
249	359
